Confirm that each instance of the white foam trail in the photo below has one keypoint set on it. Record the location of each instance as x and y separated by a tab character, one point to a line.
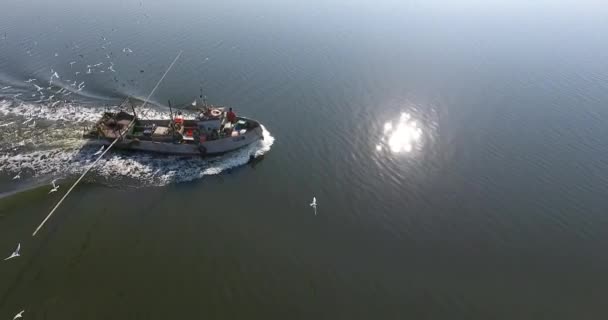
59	151
140	169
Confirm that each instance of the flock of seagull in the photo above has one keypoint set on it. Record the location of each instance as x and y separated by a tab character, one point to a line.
99	67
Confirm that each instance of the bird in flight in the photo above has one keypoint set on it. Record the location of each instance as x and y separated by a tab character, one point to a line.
55	187
18	176
14	254
313	204
19	315
100	151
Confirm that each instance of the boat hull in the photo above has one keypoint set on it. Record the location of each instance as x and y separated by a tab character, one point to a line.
212	147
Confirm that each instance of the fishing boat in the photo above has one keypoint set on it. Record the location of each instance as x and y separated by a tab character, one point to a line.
209	133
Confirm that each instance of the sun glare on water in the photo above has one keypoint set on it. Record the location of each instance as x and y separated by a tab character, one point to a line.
401	136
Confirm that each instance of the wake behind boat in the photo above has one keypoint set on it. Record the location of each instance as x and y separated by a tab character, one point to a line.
214	131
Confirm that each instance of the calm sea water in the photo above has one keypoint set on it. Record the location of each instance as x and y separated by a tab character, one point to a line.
457	152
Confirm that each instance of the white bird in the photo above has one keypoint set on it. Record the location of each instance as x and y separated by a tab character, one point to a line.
76	73
56	54
314	204
28	120
55	75
80	84
55	103
7	124
19	315
72	63
18	176
17	95
51	97
7	87
89	71
14	254
107	56
127	50
80	88
111	68
55	187
33	124
97	64
30	80
100	151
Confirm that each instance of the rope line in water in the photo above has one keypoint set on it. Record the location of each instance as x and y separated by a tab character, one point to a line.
105	151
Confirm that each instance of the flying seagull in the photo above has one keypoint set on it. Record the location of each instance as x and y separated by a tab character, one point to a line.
314	204
100	151
18	176
14	254
7	87
55	187
19	315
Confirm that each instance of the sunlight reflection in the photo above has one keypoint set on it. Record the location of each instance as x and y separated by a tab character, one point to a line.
401	136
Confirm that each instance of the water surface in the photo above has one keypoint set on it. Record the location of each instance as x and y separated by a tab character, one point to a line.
457	152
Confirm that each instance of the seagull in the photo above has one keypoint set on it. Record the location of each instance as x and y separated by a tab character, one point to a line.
14	254
80	88
72	63
127	50
55	103
97	64
89	72
107	56
55	187
38	88
19	315
18	176
51	97
54	74
314	204
33	124
80	84
7	87
100	151
76	73
30	80
28	120
18	94
111	68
